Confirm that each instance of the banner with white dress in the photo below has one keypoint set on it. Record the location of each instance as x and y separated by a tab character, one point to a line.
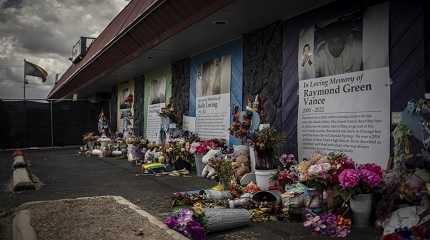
344	86
156	101
213	98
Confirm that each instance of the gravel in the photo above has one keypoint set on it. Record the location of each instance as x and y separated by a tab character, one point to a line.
90	219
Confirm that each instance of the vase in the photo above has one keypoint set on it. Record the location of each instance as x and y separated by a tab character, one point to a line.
216	195
263	177
239	203
313	199
188	193
361	207
199	164
328	198
131	152
237	148
267	196
220	219
252	157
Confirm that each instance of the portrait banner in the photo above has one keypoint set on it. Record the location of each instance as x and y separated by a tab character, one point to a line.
213	98
344	86
157	99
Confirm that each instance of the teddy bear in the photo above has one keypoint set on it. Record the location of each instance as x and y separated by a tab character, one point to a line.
208	170
241	163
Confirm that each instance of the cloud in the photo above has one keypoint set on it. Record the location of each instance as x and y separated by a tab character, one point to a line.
43	32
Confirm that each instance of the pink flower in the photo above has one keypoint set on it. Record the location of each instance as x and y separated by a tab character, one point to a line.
373	168
319	168
370	178
349	178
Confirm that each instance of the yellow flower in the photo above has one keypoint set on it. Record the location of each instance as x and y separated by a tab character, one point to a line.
198	208
218	187
303	166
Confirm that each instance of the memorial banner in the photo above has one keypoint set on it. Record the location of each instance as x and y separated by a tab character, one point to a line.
344	86
157	99
213	98
125	107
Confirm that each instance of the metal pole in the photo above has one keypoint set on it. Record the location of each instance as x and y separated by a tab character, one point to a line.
52	125
24	80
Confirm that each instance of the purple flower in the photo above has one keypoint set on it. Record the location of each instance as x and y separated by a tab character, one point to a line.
349	178
171	222
184	216
195	230
370	178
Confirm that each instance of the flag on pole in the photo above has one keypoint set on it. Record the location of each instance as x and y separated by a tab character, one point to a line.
32	69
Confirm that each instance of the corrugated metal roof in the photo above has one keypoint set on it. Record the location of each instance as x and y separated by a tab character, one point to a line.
140	26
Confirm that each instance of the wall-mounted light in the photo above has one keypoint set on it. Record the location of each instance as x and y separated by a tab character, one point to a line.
220	22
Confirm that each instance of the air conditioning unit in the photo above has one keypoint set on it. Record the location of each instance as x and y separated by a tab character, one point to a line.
80	48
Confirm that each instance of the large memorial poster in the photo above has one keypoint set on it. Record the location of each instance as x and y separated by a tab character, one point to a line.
157	99
213	98
344	93
125	108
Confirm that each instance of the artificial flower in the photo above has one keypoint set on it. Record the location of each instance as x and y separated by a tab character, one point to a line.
373	168
171	221
198	208
349	178
195	230
185	215
319	168
369	177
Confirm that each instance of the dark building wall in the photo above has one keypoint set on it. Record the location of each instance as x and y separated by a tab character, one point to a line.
407	52
113	109
427	42
139	96
262	59
181	86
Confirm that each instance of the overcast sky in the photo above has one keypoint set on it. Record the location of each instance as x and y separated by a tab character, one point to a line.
43	32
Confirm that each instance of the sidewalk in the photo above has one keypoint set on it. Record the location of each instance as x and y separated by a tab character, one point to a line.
65	174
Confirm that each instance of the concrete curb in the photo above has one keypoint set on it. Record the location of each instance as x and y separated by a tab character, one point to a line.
18	162
153	220
41	148
21	180
21	226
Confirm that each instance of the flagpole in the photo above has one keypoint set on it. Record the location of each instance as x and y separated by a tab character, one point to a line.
24	79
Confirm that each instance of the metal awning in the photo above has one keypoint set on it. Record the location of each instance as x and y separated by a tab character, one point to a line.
140	26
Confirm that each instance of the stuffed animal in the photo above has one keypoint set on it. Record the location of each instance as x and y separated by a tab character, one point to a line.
241	163
208	170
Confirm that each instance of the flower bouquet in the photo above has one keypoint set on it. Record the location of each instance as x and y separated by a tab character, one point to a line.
189	222
177	153
203	146
195	222
265	142
328	224
241	124
169	112
357	185
200	148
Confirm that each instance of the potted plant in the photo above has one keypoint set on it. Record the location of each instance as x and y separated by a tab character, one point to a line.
357	185
264	142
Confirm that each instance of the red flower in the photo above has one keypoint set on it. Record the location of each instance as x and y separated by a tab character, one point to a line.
393	236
